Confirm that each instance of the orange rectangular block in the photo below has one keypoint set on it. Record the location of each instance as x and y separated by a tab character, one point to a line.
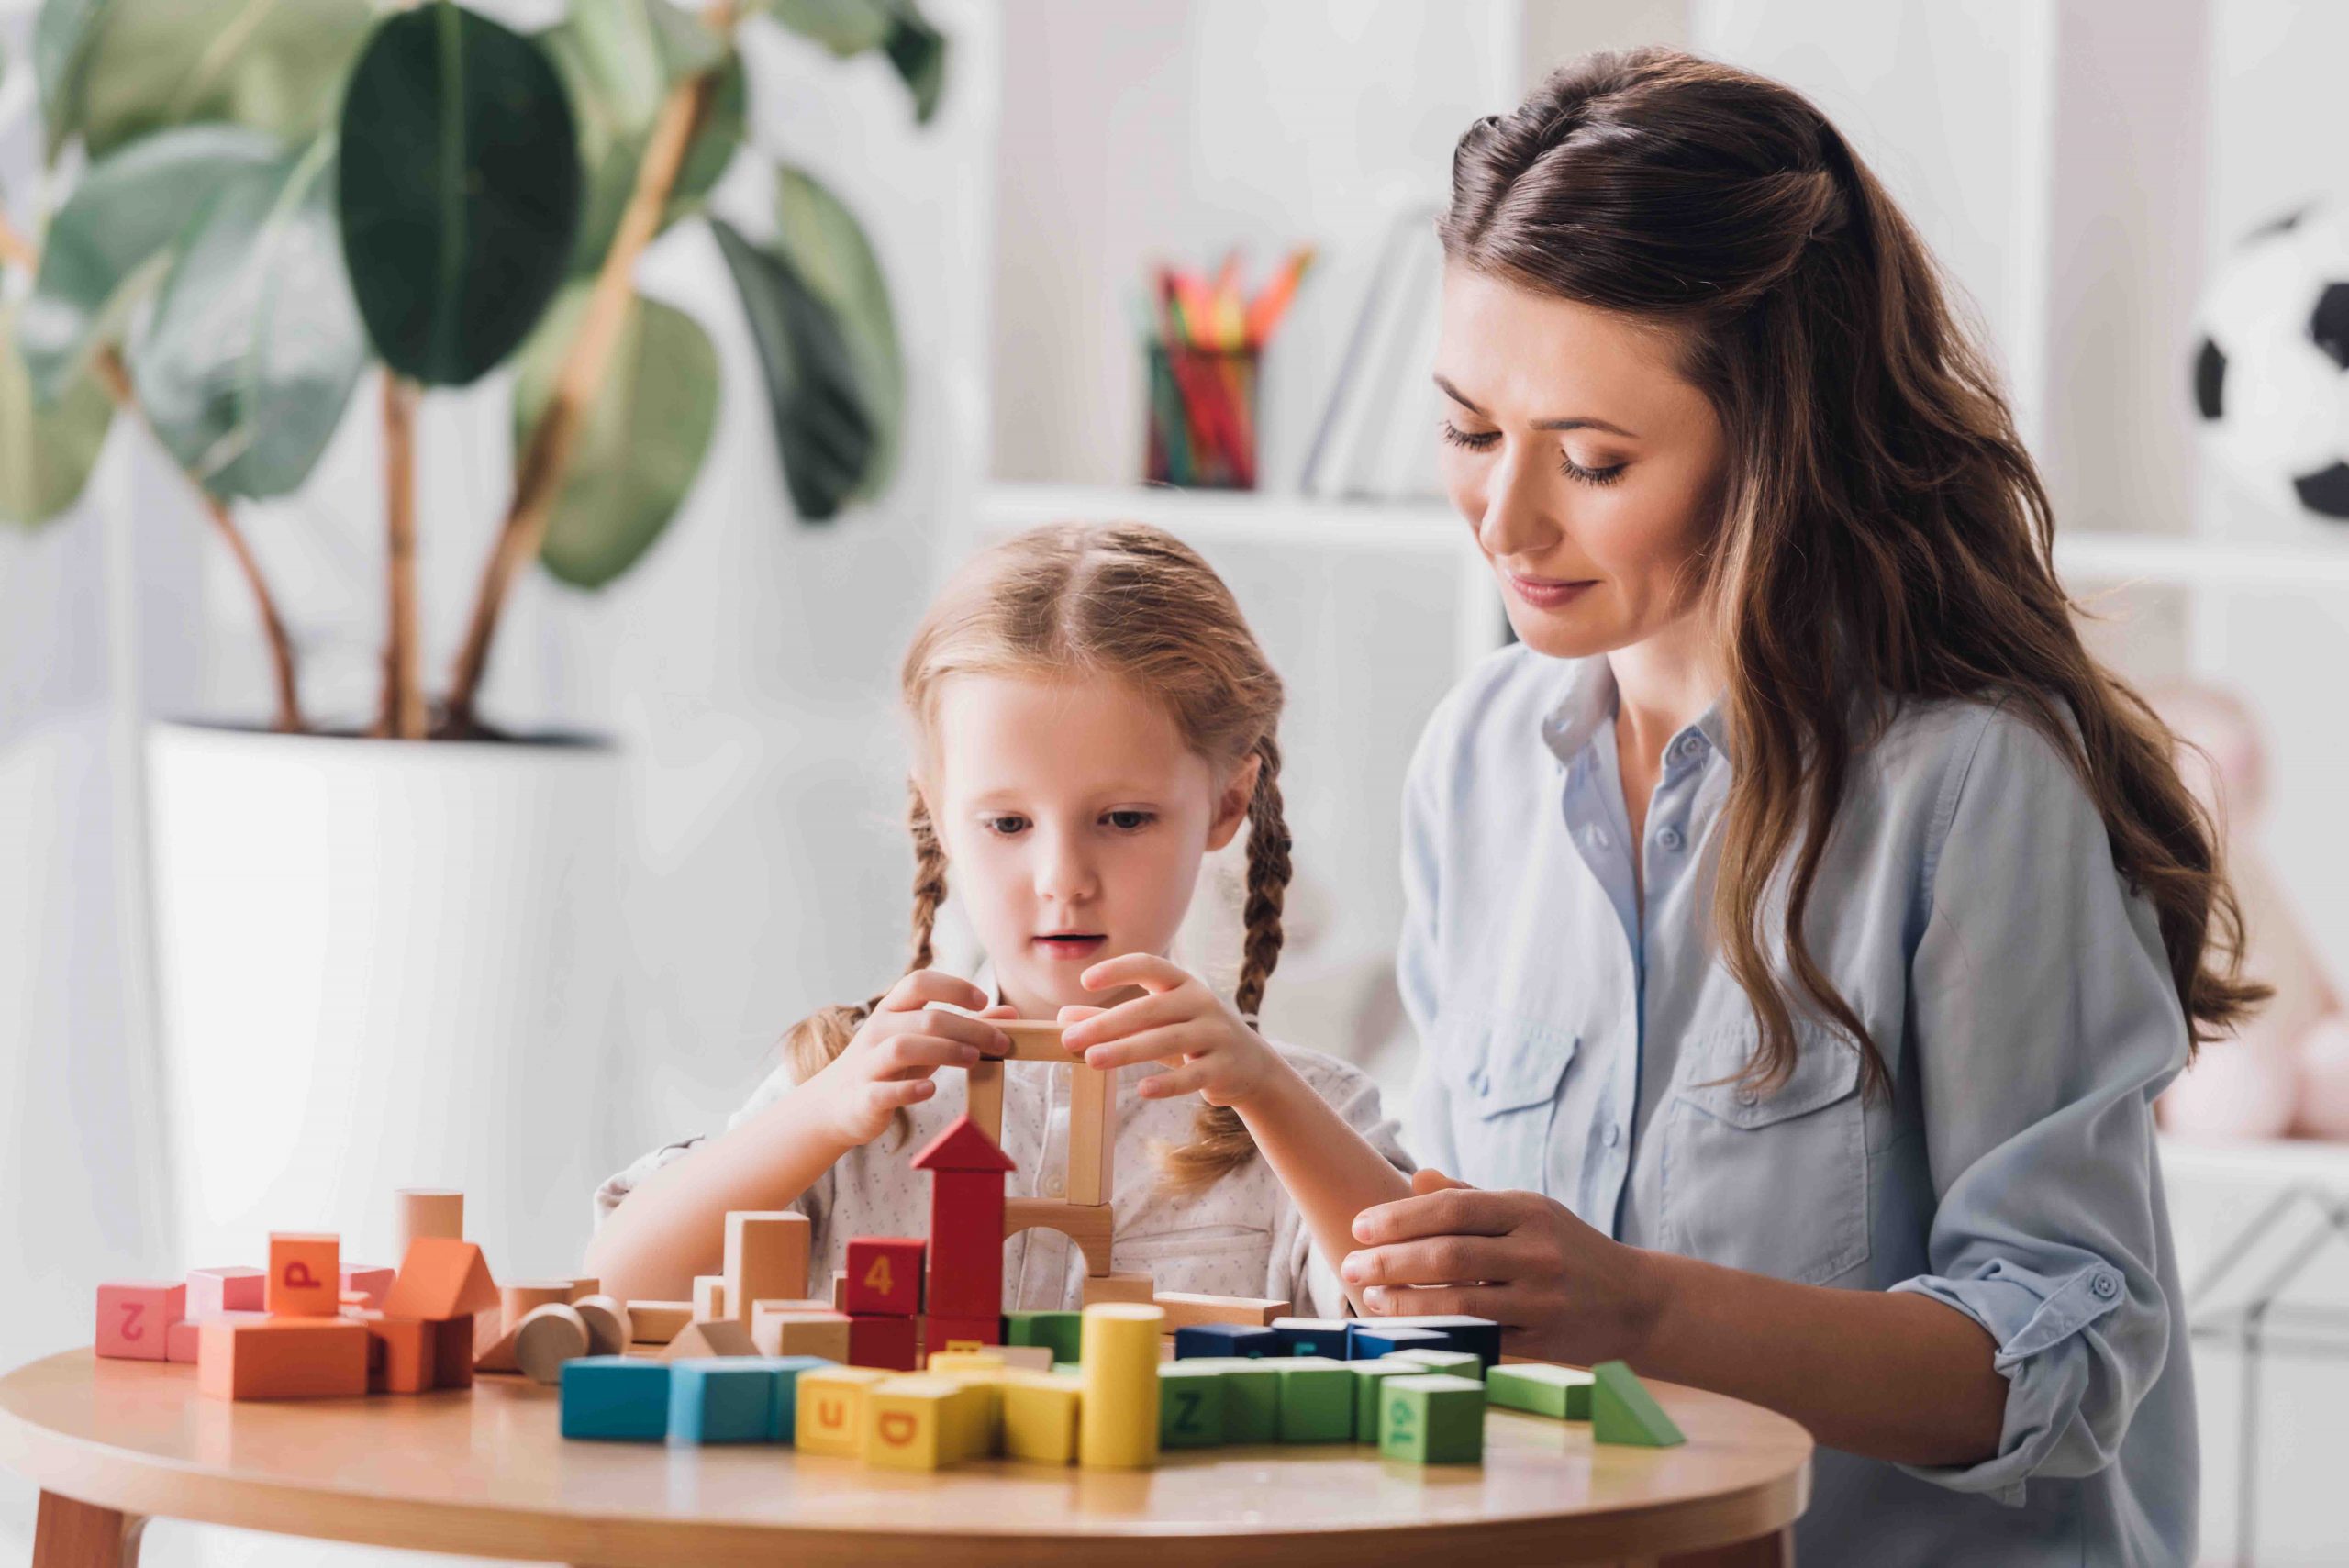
187	1334
305	1274
440	1279
283	1358
399	1355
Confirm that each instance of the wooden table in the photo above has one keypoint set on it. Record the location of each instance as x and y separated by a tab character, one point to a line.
112	1442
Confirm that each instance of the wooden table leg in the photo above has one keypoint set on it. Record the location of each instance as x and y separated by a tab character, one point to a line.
1776	1551
70	1534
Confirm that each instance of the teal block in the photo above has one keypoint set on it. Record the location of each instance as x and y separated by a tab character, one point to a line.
784	1419
1459	1364
1060	1332
1252	1396
616	1398
1368	1376
1317	1400
1190	1405
720	1399
1540	1389
1433	1418
1623	1411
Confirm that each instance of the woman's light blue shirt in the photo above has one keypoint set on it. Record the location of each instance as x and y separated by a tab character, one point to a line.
1969	911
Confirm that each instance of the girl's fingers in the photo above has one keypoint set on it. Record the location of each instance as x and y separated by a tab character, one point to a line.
923	1054
925	987
1176	1082
895	1094
1456	1211
1143	969
1154	1010
976	1033
1169	1045
1077	1010
1001	1011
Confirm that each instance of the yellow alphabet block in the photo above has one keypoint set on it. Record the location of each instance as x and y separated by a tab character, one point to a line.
1040	1410
830	1417
909	1422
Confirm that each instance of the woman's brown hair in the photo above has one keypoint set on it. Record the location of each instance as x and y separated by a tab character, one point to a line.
1125	603
1882	532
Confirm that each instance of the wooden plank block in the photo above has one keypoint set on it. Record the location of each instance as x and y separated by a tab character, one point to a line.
983	1095
800	1333
657	1322
1132	1289
305	1274
1186	1309
283	1358
709	1295
1091	1138
1539	1388
884	1276
766	1259
1092	1227
134	1318
418	1212
1033	1039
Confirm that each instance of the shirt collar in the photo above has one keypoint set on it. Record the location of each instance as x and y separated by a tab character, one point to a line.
1589	702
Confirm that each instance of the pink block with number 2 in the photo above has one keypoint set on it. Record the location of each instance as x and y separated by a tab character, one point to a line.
134	1318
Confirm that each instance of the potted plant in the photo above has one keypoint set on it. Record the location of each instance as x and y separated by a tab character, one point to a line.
378	944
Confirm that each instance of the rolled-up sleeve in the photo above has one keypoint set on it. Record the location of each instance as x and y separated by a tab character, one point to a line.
1419	961
2045	1023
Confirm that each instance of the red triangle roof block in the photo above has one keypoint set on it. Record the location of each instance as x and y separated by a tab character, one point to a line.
442	1278
962	1147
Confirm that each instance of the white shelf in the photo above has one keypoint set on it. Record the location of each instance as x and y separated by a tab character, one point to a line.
2187	560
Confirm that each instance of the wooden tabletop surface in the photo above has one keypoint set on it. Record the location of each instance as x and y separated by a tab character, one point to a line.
485	1472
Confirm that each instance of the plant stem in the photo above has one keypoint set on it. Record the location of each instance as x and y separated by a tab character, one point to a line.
546	455
402	714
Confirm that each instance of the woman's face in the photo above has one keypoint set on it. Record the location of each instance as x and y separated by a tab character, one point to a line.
1587	466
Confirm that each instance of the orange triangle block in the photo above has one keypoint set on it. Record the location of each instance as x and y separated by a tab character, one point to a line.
442	1278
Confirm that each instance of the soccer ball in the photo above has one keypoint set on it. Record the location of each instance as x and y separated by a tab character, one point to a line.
2269	363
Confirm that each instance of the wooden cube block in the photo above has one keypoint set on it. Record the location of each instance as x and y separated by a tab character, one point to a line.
1433	1418
1040	1417
548	1339
709	1297
1190	1405
616	1398
1366	1340
721	1399
766	1259
960	1333
886	1342
909	1423
1313	1336
441	1279
710	1337
657	1322
1225	1339
134	1318
1060	1332
885	1275
1369	1378
830	1417
1623	1411
1183	1308
1459	1364
609	1332
235	1288
402	1353
1251	1398
1117	1422
1317	1399
369	1281
801	1333
1538	1388
283	1358
786	1370
304	1275
1134	1289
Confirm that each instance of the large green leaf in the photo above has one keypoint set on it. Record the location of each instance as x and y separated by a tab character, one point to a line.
460	191
897	27
45	452
642	444
828	248
114	233
918	51
822	427
116	70
249	361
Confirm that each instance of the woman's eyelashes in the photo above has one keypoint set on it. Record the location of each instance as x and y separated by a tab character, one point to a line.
1485	441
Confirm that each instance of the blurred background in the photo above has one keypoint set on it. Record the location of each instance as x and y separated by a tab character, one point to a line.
553	957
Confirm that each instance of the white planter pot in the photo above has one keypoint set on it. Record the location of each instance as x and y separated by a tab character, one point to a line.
381	965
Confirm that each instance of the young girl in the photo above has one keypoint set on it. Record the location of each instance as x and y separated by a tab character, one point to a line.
1091	716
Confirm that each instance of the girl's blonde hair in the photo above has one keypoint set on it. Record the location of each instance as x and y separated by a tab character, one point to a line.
1124	602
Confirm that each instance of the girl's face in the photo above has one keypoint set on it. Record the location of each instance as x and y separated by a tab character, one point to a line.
1074	817
1587	466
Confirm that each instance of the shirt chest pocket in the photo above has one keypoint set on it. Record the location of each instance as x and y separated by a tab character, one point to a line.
1502	1073
1775	1183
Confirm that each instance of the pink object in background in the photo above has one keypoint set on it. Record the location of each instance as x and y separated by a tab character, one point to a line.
235	1288
134	1318
187	1333
370	1281
2324	1080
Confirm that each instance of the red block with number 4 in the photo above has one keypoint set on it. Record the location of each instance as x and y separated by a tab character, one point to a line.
134	1318
884	1276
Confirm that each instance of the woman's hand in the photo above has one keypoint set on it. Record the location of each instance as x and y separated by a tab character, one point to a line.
888	1065
1561	1290
1207	1047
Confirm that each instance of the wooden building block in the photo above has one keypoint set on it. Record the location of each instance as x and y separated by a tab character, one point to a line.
983	1099
1092	1137
1190	1405
710	1337
884	1276
616	1398
1224	1340
786	1370
134	1318
960	1333
236	1288
418	1212
974	1413
305	1274
1623	1411
1093	1226
452	1351
964	1361
441	1279
878	1340
401	1353
1026	1358
801	1333
1186	1309
519	1300
1040	1417
1313	1336
657	1322
1481	1335
609	1330
1367	1340
840	1290
1459	1364
585	1285
1317	1399
1117	1421
1538	1388
720	1399
966	1205
1252	1398
180	1341
1432	1420
1134	1290
1369	1378
908	1422
283	1358
709	1297
499	1357
546	1339
1061	1333
830	1415
369	1281
766	1259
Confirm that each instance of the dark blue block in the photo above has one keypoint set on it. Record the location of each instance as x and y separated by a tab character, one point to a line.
721	1399
1226	1340
1369	1339
1481	1337
1311	1337
624	1398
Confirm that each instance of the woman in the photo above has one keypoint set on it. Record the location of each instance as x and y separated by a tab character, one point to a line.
1801	922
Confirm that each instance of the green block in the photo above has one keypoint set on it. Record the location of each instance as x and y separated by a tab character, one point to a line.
1433	1418
1252	1396
1317	1399
1190	1405
1368	1376
1459	1364
1540	1389
1060	1332
1623	1411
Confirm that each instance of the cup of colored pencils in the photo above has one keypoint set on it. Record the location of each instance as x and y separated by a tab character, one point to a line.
1204	340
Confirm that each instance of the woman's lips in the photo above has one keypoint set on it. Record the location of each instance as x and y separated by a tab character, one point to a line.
1078	945
1543	594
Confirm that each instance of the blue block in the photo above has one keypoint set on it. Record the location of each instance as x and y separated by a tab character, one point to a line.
1311	1337
1481	1337
1226	1340
621	1398
786	1370
1368	1340
720	1399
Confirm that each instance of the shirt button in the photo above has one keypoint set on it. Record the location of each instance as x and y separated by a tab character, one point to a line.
1613	1135
1748	1097
1598	839
1669	837
1689	745
2104	1285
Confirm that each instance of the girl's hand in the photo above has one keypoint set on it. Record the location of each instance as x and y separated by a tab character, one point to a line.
1206	1045
887	1066
1561	1290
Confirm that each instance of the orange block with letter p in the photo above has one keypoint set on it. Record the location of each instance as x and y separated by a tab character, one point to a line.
304	1275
